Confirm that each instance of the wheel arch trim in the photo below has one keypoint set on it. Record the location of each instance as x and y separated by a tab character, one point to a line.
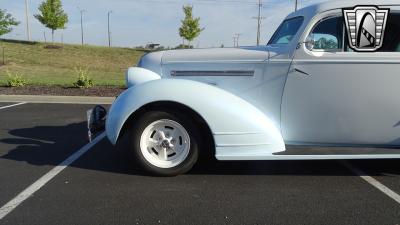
158	105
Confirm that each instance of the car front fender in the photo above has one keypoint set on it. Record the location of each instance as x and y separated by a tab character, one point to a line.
238	127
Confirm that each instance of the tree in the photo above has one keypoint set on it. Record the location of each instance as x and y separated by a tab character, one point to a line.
190	28
6	22
52	16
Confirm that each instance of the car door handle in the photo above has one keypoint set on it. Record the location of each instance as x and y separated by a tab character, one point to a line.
300	71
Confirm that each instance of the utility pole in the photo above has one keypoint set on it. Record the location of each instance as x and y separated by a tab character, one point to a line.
236	37
295	5
44	35
109	31
81	11
28	31
4	58
259	18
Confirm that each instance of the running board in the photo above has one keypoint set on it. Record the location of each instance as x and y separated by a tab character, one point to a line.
338	150
319	153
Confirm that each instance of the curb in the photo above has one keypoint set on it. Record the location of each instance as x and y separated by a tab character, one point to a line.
57	99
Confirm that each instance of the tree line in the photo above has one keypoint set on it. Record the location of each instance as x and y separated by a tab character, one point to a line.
51	15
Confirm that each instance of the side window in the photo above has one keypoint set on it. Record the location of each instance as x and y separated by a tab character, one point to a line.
391	42
286	31
327	35
330	35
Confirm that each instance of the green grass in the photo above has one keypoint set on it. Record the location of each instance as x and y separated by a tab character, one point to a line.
41	66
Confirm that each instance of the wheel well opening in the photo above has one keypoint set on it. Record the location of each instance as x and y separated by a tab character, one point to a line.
207	150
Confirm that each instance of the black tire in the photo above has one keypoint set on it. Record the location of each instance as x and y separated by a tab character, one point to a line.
145	120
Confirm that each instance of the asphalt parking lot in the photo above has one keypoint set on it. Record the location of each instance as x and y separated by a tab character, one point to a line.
102	187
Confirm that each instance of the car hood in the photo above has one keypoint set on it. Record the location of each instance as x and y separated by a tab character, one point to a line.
215	59
216	55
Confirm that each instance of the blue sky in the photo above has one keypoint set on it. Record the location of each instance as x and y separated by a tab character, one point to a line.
138	22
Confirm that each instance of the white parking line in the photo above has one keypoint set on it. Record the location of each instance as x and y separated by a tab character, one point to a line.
9	106
372	181
29	191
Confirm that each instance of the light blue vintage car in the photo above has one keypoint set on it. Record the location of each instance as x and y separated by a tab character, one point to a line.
328	77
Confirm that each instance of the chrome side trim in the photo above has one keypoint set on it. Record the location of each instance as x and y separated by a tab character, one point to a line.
192	73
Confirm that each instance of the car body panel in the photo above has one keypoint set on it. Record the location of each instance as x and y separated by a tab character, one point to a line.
262	89
137	75
348	102
242	126
257	99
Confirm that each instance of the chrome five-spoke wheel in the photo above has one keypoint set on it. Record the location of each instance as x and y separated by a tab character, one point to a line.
165	143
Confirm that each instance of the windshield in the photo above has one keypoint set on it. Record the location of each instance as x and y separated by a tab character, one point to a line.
286	31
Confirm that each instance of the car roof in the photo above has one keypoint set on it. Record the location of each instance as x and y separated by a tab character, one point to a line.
313	10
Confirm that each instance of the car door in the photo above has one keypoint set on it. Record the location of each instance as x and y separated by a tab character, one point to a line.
334	95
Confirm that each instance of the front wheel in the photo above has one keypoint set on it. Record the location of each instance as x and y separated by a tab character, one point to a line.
164	143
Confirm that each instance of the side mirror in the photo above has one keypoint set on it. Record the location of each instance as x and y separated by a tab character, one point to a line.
310	42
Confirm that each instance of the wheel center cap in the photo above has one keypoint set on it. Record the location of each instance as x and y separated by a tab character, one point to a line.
165	144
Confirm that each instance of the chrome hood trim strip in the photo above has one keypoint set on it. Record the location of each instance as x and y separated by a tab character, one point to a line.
189	73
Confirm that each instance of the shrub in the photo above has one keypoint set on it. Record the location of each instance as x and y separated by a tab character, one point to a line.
15	80
83	79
